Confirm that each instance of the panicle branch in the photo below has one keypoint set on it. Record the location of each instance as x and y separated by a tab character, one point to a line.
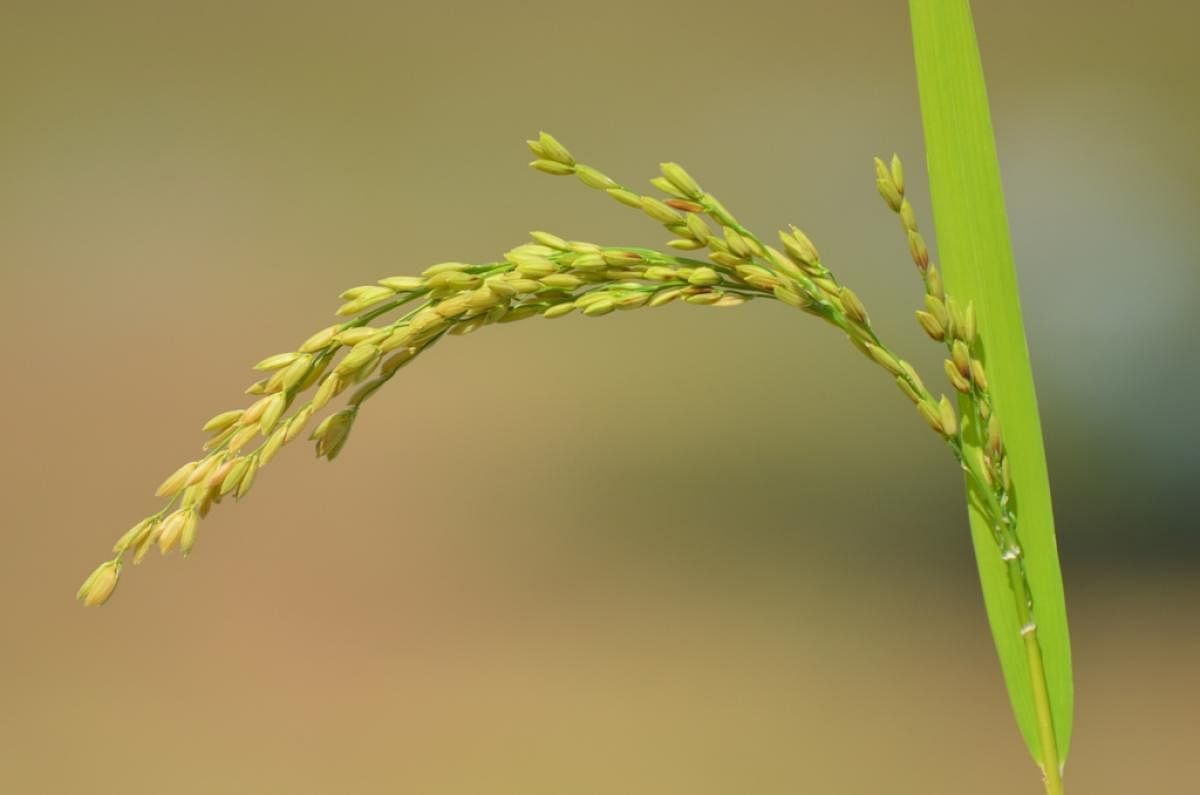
979	444
390	323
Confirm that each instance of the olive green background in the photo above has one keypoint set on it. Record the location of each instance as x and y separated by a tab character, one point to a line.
680	551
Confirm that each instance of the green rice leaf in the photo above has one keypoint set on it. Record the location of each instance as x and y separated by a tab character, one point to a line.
977	264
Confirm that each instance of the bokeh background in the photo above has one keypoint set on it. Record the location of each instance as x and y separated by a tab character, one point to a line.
683	551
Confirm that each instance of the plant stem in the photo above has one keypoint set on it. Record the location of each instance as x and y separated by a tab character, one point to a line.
1041	701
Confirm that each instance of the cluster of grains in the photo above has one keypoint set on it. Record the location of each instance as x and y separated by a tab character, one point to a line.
978	444
796	276
548	277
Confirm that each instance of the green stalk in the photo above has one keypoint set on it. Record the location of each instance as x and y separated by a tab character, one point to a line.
1023	592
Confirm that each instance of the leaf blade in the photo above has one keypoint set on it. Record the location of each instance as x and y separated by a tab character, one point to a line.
977	264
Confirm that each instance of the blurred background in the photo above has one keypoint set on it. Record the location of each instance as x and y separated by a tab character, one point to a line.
683	551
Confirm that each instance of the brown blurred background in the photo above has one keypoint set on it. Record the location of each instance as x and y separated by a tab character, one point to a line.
687	551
